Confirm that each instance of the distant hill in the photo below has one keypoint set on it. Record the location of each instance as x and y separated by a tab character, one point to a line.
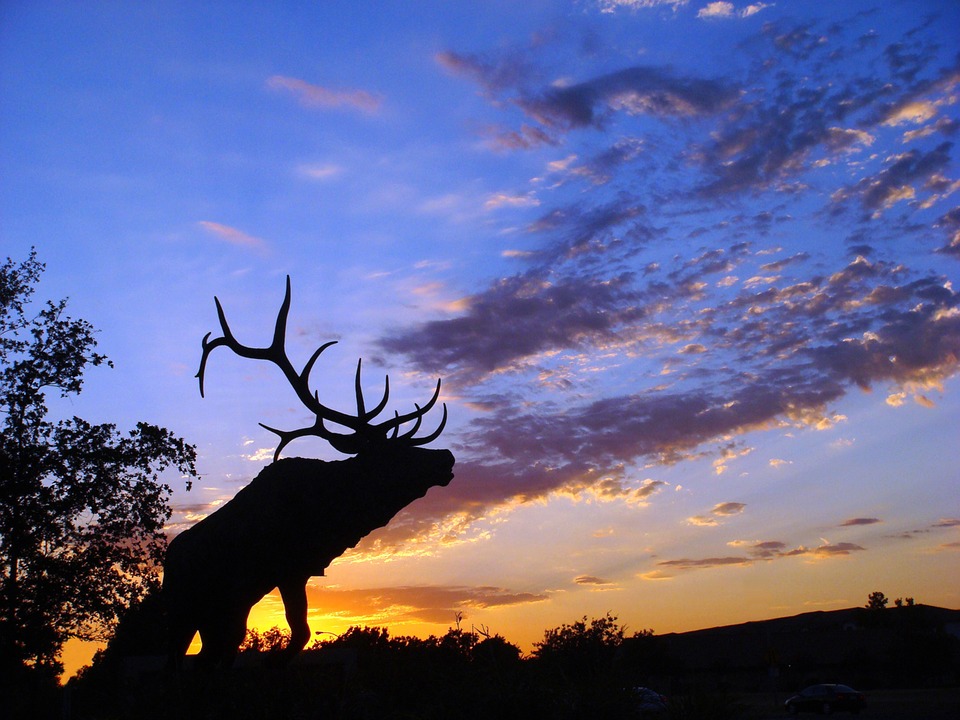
918	643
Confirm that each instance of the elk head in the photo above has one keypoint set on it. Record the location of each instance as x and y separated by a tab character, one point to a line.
366	436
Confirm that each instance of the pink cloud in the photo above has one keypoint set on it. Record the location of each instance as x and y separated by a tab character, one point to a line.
320	97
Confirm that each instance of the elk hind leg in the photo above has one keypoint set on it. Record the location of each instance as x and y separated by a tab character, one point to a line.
179	637
294	595
221	637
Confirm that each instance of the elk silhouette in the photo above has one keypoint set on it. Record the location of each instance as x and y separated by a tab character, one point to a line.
297	515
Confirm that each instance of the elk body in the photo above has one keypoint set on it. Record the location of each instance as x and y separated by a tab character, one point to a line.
296	516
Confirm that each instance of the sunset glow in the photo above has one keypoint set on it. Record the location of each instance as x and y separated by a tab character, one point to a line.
688	271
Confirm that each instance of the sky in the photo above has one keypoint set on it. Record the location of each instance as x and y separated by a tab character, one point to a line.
687	271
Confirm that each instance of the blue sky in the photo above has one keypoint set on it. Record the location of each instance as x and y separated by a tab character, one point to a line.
687	271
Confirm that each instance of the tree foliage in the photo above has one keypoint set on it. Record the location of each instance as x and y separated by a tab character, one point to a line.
82	505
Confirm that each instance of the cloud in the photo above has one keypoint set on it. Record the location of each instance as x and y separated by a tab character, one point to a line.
518	317
721	510
315	96
233	236
394	605
260	455
768	548
689	564
920	345
726	10
941	524
591	580
951	222
716	9
797	126
860	521
728	508
611	6
494	76
801	358
527	137
645	262
947	523
753	9
922	99
647	490
900	180
499	200
324	171
837	550
656	575
638	90
783	264
600	169
764	551
612	488
509	78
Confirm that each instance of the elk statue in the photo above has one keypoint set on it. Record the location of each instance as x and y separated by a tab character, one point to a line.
297	515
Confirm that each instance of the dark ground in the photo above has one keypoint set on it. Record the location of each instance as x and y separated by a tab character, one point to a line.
940	704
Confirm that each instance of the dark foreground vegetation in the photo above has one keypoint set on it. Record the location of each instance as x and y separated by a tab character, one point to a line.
586	669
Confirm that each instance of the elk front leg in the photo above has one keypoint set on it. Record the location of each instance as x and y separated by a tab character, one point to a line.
294	595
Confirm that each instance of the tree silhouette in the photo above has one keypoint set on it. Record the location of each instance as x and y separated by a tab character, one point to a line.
876	601
82	506
590	666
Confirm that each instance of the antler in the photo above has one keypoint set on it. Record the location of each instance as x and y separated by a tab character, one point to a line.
365	435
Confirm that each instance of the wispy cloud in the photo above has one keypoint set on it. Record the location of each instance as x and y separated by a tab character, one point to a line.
947	523
709	562
860	521
323	171
726	10
492	74
729	508
395	605
610	6
316	96
719	511
758	552
941	524
592	581
836	550
233	236
502	199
